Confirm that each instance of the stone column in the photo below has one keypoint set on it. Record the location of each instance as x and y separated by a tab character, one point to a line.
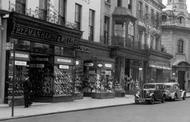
120	70
2	60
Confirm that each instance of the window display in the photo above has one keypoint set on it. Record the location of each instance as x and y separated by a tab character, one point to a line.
63	76
99	79
63	80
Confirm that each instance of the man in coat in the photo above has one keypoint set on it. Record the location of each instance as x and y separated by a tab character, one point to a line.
27	92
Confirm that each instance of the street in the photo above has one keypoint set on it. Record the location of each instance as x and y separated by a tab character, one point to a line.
174	111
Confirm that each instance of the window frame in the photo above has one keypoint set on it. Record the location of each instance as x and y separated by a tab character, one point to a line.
180	46
22	4
78	15
91	24
62	11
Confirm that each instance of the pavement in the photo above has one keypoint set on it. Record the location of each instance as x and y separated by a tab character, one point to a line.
39	109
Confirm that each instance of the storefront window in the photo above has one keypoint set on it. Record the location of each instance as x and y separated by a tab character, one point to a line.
22	45
40	48
99	77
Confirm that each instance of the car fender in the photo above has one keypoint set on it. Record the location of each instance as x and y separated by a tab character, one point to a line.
172	95
182	93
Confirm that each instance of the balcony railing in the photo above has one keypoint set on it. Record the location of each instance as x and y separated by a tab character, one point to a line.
50	15
122	42
170	23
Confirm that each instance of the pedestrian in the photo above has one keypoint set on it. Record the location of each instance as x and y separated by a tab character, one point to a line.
27	92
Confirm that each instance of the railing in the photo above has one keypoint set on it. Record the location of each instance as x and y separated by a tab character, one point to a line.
51	15
170	23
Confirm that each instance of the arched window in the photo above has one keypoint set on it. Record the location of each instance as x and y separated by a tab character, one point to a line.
164	18
181	20
180	46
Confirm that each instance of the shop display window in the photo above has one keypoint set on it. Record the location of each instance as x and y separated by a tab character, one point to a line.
21	72
78	76
99	77
63	80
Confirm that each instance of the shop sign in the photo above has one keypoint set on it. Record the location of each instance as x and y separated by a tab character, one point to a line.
63	67
61	60
20	55
108	65
21	63
37	65
24	30
89	64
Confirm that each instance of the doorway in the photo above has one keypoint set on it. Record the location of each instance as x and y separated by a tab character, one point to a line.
181	79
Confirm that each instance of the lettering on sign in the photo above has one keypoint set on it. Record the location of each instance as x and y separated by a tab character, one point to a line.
21	63
43	34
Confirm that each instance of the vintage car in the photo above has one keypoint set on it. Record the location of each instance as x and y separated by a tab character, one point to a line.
150	92
173	92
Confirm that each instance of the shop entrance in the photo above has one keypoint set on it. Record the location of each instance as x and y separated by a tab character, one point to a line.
41	76
181	79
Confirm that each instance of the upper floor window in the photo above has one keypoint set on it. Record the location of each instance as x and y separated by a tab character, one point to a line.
180	46
78	11
152	16
106	29
119	3
140	9
146	12
181	20
21	6
164	18
43	4
119	29
157	20
91	24
131	33
130	4
62	12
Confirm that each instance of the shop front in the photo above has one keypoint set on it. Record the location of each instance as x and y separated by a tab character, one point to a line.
130	68
44	53
98	70
159	69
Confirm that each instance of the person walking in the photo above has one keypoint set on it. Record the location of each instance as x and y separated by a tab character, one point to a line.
27	92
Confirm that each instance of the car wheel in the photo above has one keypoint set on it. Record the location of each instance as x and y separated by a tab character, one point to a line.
152	100
175	97
163	99
184	96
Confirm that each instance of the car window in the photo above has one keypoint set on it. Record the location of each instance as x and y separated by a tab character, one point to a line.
167	86
160	86
149	86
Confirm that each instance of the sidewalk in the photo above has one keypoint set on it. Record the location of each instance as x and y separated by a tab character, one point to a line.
48	108
77	105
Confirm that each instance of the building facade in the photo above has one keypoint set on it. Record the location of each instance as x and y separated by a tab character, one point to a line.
175	36
75	48
149	36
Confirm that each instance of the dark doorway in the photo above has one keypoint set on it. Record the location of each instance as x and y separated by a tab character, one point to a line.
181	79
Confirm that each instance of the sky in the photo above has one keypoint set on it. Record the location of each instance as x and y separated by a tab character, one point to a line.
188	4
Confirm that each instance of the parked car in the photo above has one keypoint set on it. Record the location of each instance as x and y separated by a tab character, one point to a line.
173	92
150	92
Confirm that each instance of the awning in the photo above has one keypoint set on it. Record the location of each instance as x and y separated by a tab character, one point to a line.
160	67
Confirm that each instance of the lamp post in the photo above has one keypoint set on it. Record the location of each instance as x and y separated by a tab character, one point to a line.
13	81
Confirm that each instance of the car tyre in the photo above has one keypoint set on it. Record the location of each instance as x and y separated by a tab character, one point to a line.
163	99
152	100
175	97
184	96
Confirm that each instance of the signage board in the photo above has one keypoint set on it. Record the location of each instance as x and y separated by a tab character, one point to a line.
21	63
63	60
